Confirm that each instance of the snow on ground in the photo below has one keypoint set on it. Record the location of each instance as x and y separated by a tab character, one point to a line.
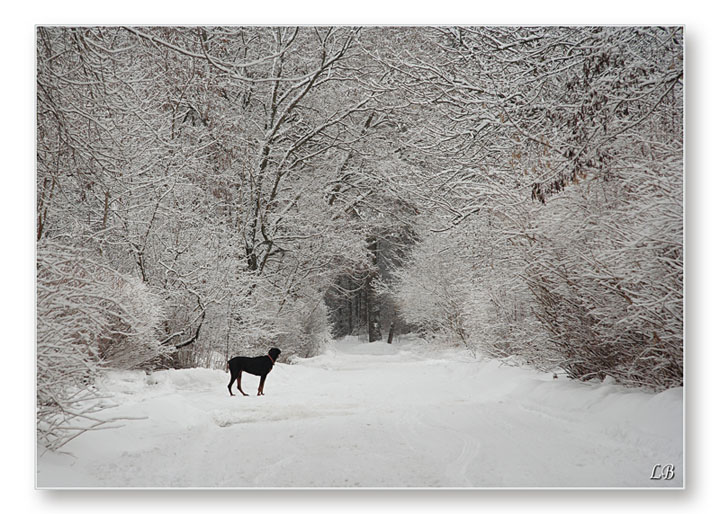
375	415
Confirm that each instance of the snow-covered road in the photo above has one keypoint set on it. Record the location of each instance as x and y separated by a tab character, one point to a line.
376	415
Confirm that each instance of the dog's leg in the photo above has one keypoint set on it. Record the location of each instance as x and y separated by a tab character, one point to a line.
232	379
261	387
239	386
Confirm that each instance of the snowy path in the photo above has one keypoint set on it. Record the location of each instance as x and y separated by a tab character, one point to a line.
376	415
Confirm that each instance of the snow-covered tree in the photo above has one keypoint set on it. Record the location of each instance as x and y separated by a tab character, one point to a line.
519	187
88	317
561	149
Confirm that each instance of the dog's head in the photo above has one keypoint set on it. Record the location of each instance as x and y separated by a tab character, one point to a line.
274	352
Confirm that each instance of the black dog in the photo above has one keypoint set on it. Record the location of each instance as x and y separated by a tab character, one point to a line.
259	366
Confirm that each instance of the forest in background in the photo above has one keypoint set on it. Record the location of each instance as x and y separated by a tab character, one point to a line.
209	191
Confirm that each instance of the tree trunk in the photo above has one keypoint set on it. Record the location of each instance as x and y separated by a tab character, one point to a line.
373	306
350	308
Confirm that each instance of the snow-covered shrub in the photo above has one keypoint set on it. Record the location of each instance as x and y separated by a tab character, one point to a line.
607	274
262	316
462	285
88	317
570	148
132	338
432	290
303	326
501	322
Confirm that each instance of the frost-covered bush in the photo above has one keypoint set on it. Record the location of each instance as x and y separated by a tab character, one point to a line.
590	282
304	328
433	289
607	275
558	174
502	324
88	317
133	329
463	286
264	316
